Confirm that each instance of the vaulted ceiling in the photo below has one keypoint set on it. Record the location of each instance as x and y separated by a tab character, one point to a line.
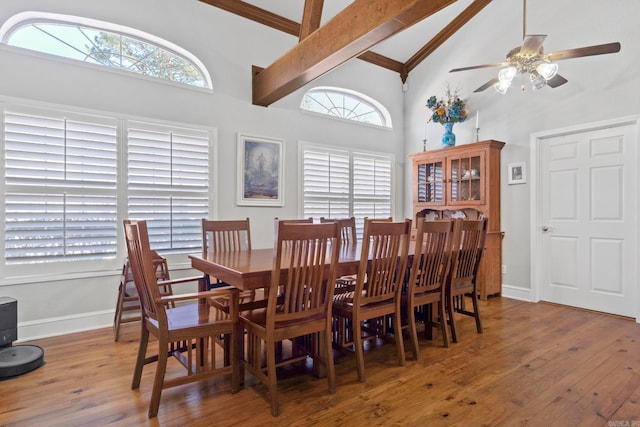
394	34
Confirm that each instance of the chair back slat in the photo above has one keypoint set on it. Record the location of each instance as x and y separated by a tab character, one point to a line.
432	254
143	267
383	262
310	253
347	228
470	248
225	236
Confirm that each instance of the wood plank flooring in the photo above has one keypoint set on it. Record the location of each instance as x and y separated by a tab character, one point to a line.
535	365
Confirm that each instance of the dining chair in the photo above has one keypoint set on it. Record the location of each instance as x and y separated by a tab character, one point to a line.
127	300
299	303
224	236
381	272
462	281
187	331
428	276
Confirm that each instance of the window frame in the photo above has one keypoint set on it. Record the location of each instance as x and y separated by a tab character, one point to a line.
12	274
375	105
19	20
352	153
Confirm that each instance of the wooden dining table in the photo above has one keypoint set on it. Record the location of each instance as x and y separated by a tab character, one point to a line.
251	270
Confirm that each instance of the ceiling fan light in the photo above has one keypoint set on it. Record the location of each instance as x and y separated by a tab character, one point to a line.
506	75
537	81
502	87
547	70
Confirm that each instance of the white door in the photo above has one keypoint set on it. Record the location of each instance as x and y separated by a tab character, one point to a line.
588	220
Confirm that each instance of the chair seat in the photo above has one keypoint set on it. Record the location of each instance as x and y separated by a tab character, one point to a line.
192	316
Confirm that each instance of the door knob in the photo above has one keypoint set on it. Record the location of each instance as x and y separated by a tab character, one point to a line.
545	228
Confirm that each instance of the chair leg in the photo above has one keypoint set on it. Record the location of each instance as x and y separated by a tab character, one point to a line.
452	319
331	372
158	381
476	311
397	327
443	323
118	313
358	347
413	333
142	352
270	349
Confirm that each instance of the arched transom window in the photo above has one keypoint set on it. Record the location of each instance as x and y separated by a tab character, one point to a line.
106	44
346	104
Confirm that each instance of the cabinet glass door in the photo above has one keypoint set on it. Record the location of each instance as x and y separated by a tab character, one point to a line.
430	182
466	179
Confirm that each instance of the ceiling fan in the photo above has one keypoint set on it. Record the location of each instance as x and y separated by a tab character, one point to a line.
530	59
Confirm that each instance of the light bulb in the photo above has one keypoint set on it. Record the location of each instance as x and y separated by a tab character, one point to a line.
502	87
537	81
547	70
507	74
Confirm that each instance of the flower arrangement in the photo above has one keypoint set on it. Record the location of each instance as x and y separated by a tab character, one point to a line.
450	109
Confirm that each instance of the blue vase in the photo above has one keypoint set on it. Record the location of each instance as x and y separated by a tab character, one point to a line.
448	138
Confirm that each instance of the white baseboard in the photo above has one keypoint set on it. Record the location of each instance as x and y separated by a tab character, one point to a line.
54	326
514	292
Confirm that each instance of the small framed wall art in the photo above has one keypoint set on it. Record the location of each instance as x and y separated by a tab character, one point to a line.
260	171
517	173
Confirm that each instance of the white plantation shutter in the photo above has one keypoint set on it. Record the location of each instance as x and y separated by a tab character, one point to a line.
371	186
168	183
326	185
60	186
340	184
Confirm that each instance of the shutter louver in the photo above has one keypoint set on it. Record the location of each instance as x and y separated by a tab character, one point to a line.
168	184
60	198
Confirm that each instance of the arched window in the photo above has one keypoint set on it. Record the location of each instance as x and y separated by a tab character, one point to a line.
346	104
103	43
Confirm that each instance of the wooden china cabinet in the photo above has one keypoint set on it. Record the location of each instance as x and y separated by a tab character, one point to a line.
464	181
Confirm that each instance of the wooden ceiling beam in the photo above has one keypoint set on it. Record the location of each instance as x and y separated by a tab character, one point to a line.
446	32
278	22
311	17
357	28
254	13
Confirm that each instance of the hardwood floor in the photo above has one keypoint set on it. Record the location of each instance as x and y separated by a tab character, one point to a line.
535	365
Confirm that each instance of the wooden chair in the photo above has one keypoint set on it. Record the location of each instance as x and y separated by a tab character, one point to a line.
128	301
349	237
428	278
385	247
188	332
467	254
224	236
299	303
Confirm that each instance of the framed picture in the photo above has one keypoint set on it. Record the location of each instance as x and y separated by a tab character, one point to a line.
517	173
260	171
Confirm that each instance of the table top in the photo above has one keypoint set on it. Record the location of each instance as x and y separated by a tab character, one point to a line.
252	269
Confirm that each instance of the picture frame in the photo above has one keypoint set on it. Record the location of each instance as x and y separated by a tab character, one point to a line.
517	173
260	171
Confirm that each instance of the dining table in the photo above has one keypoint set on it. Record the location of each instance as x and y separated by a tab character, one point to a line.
251	270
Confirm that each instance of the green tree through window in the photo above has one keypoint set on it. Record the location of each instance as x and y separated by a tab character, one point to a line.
105	44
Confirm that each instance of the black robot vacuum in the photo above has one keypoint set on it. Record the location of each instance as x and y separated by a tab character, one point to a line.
19	359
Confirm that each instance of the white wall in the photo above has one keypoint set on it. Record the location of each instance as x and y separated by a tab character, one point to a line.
599	88
228	46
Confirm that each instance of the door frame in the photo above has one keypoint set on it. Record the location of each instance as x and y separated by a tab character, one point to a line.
535	142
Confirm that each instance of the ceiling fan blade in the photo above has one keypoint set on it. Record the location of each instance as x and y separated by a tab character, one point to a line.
487	84
599	49
474	67
556	81
532	44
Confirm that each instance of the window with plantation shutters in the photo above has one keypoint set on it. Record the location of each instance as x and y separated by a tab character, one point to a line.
371	186
60	187
326	183
340	183
168	183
